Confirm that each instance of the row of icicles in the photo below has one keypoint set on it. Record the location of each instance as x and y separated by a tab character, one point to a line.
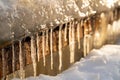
73	35
35	54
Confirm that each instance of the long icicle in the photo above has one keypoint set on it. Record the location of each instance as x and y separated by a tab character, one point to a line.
70	39
60	48
88	43
43	48
47	47
3	63
84	44
51	48
78	35
65	37
7	77
85	40
73	43
13	59
38	47
22	74
88	39
33	55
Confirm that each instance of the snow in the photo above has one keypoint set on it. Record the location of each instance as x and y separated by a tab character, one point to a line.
100	64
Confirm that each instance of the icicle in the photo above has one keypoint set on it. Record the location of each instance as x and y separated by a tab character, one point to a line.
71	42
88	45
47	40
33	55
3	63
43	47
84	44
65	37
22	73
84	41
96	38
89	37
38	50
13	59
78	35
60	48
51	48
7	77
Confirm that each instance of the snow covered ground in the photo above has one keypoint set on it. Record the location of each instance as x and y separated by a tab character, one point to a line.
100	64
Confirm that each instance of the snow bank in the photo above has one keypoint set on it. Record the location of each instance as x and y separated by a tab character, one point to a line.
100	64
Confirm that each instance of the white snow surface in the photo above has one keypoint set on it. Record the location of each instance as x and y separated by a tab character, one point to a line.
100	64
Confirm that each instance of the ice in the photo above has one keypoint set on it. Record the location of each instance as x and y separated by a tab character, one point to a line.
51	48
3	62
65	32
43	48
33	55
13	60
100	64
71	42
22	73
38	51
78	35
60	48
